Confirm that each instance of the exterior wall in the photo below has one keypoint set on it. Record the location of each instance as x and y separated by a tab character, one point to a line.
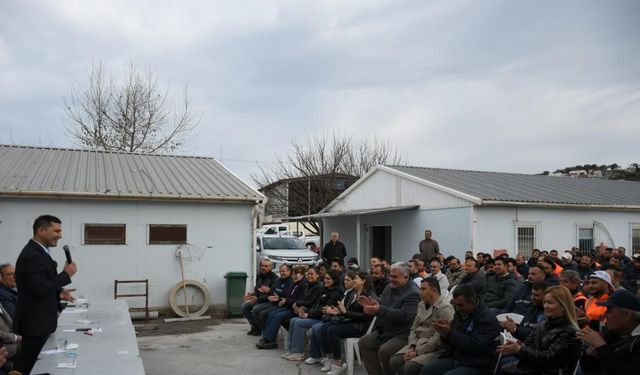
223	232
494	227
383	189
452	228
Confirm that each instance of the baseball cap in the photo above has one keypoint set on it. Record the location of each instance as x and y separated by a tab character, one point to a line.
602	275
623	299
567	256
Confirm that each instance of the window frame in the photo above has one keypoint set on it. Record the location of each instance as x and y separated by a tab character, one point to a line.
593	236
86	226
632	227
149	229
535	228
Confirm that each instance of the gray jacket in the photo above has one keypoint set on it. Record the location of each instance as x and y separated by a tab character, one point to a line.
398	308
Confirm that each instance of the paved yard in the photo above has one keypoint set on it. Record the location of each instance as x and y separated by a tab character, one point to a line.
221	349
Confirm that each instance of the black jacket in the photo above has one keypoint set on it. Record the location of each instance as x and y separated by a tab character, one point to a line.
476	280
499	291
472	340
329	297
379	285
533	316
355	312
331	250
551	346
310	295
270	279
40	286
619	356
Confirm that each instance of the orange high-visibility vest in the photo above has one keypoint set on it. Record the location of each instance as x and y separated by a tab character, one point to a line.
557	270
595	312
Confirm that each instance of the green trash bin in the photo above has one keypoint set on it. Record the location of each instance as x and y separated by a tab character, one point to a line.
236	288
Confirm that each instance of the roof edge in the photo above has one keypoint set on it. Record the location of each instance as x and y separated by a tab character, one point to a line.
560	205
119	196
444	189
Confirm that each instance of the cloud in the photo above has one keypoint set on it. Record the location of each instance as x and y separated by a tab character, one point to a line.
497	85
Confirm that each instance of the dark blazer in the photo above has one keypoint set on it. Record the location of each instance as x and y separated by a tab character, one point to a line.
40	286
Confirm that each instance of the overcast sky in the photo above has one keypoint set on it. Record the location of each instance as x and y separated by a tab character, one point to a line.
518	86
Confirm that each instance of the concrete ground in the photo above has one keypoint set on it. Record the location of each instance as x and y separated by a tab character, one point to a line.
222	348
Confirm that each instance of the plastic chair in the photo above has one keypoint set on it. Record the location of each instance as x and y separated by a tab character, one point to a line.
351	346
450	296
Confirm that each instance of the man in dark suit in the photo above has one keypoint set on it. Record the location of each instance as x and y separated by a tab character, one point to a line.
41	289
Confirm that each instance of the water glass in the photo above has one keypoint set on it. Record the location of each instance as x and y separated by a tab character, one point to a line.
70	357
61	343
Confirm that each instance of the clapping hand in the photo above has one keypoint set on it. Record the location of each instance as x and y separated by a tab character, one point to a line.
442	326
591	337
509	348
369	305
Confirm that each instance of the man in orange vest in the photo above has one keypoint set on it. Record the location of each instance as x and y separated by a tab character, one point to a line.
599	287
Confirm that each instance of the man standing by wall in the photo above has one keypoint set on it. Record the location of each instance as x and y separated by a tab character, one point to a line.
334	249
41	289
428	247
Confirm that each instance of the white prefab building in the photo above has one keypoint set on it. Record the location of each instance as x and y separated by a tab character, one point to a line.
125	216
386	212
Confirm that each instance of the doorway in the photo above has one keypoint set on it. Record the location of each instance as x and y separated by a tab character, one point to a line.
380	241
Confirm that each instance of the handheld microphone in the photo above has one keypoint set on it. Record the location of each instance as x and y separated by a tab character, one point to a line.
67	253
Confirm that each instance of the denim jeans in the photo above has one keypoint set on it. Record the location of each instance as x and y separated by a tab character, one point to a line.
318	332
297	333
273	323
246	308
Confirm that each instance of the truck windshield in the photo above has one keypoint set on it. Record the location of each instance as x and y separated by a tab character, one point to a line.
283	243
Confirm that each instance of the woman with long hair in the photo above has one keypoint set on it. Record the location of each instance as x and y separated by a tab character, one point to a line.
348	320
331	293
552	346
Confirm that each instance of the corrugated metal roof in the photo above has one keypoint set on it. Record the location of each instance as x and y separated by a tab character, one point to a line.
70	172
535	189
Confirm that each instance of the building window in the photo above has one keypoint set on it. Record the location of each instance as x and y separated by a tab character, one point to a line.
105	234
635	238
167	234
526	240
585	239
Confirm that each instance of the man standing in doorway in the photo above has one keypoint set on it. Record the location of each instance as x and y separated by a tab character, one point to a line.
334	249
41	289
429	248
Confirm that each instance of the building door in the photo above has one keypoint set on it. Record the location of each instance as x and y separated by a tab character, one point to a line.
380	242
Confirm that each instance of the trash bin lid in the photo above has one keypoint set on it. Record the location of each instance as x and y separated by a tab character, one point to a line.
236	275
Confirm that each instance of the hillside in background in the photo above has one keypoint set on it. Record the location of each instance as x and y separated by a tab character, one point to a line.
611	172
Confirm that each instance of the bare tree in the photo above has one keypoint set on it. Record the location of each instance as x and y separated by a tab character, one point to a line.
133	115
317	170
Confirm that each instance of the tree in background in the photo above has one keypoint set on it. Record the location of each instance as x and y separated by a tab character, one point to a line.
317	170
135	115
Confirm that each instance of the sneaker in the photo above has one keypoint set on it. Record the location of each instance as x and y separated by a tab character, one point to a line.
296	357
313	361
327	365
336	370
285	355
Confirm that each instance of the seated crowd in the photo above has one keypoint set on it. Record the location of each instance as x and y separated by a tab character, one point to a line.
549	314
